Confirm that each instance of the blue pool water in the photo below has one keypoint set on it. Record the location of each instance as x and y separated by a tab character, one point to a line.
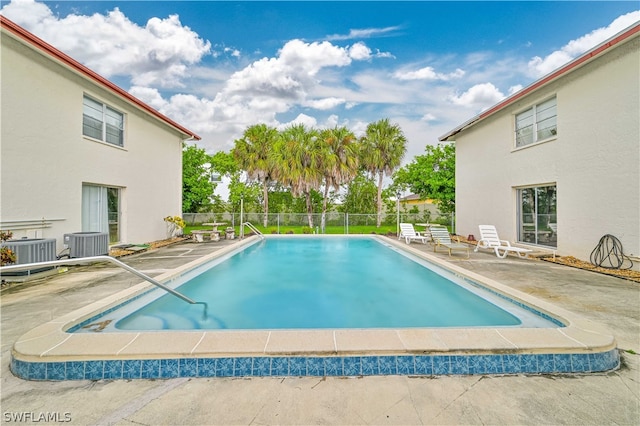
318	283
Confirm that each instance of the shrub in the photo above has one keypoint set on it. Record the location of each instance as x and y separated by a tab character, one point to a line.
6	255
177	220
175	224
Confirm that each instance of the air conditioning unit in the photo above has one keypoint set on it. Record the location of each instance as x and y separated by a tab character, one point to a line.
31	250
87	244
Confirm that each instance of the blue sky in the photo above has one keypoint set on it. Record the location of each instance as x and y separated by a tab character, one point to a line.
218	67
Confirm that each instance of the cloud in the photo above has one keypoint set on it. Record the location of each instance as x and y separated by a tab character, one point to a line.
428	73
380	54
28	13
324	104
274	85
309	58
539	67
232	52
263	89
363	33
221	50
479	96
308	122
428	117
157	54
514	89
359	51
332	121
150	96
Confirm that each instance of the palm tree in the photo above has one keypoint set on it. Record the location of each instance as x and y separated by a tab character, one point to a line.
252	152
383	148
299	159
340	161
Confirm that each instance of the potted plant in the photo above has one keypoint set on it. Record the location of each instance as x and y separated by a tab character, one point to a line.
6	255
175	224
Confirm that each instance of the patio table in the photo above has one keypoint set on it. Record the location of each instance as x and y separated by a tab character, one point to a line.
215	225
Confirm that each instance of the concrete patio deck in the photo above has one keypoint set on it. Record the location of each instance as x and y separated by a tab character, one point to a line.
610	398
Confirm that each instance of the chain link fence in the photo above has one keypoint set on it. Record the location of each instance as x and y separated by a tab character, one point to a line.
277	221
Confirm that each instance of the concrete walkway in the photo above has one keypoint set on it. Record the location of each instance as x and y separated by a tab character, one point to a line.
598	399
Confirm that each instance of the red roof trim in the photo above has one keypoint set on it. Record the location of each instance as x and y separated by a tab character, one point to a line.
543	81
77	66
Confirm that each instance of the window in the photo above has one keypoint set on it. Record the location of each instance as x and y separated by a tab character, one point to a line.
101	210
537	221
101	122
537	123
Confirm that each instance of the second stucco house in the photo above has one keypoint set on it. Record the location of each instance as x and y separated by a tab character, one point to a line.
78	152
556	166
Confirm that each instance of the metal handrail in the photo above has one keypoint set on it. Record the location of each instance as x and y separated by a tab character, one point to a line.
253	228
91	259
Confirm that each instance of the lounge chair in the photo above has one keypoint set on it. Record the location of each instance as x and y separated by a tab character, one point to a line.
441	238
408	233
489	239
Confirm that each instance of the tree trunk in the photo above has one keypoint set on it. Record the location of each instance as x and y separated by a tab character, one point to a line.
324	209
265	196
379	218
309	209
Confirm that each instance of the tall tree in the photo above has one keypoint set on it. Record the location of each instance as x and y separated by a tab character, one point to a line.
280	199
360	196
299	158
339	162
252	153
197	187
222	164
432	176
247	192
382	150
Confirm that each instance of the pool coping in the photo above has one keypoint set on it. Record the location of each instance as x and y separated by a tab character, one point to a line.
49	352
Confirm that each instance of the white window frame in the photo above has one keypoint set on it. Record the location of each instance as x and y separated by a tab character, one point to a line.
102	116
539	124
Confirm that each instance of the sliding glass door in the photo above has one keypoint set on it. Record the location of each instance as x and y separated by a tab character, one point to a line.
101	210
113	202
537	218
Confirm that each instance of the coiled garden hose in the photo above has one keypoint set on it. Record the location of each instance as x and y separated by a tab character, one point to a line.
609	254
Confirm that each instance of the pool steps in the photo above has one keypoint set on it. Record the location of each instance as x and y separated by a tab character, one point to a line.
95	259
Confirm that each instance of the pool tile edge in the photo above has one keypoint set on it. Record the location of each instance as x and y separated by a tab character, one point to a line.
341	366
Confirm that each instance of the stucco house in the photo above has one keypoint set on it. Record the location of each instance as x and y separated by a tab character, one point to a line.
557	165
413	202
78	153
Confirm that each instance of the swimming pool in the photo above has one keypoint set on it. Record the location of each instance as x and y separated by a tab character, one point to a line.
52	352
321	283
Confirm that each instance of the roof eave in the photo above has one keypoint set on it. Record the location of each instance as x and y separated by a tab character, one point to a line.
78	68
549	78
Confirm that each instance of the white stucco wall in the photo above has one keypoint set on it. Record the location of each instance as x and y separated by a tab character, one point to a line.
594	161
46	159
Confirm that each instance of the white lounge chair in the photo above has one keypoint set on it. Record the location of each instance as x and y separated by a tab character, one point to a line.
489	239
441	238
408	233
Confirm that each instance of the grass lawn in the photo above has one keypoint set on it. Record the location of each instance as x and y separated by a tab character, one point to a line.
359	229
